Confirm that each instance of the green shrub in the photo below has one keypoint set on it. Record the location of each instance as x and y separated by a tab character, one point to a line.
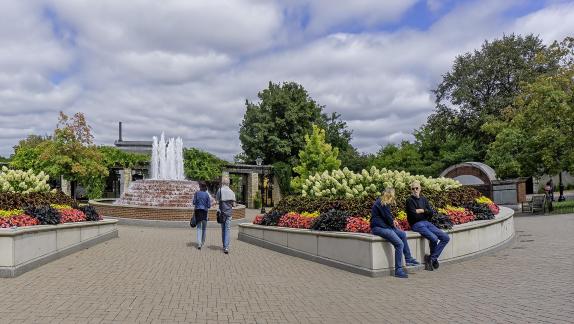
282	171
257	201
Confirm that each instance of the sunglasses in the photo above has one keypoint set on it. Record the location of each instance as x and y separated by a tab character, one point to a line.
415	188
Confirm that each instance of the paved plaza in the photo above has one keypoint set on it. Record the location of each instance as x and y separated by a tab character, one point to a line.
157	275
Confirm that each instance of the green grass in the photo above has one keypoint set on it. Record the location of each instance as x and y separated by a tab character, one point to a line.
563	207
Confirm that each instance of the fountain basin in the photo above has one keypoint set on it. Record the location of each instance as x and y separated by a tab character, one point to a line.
161	193
108	208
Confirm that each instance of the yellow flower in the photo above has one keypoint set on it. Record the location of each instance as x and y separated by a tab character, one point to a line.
401	215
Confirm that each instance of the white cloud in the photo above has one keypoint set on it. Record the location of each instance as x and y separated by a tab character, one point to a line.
186	67
553	23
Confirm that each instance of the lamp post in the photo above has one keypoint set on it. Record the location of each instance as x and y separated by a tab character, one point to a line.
259	160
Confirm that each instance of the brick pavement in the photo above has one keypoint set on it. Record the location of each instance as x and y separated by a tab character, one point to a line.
157	275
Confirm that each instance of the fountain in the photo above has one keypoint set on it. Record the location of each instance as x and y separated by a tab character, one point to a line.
167	186
167	195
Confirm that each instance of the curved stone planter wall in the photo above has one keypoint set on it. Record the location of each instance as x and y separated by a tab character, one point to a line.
371	255
106	207
25	248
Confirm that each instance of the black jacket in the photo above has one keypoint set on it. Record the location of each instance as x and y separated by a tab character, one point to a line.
413	203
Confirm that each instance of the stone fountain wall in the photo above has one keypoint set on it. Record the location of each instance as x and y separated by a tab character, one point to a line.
161	193
106	208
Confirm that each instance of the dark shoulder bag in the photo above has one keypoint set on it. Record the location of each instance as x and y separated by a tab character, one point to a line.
193	221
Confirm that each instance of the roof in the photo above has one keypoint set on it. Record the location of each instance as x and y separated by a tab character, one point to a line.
133	143
134	146
488	171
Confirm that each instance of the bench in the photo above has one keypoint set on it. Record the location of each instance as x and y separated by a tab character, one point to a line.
538	203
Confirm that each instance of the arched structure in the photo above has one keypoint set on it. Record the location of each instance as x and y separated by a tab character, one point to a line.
474	174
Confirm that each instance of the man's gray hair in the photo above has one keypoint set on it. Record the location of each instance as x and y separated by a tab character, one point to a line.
225	181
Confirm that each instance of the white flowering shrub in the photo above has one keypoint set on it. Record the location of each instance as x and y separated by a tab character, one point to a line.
23	181
345	183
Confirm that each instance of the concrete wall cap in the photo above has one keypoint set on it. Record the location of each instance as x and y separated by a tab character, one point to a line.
14	231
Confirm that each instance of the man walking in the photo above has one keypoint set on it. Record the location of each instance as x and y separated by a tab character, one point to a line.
419	212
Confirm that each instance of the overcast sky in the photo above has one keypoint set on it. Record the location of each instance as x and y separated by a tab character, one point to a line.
186	67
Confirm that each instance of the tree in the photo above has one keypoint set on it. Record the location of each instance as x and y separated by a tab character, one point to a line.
201	165
338	135
113	157
28	151
336	132
478	88
538	139
355	161
317	156
403	157
68	153
275	128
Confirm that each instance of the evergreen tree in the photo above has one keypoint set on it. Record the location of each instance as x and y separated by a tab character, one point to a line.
317	156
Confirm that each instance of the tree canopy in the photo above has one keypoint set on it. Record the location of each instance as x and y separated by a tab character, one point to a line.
201	165
316	156
68	153
475	92
275	127
538	138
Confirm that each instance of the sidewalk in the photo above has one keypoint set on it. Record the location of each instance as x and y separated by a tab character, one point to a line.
157	275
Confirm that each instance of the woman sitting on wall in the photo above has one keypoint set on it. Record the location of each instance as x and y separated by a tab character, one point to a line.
383	225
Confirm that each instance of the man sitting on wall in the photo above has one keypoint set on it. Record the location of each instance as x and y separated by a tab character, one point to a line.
419	212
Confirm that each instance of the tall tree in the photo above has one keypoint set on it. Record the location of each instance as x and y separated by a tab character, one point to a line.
68	153
538	139
275	127
476	91
317	156
339	135
336	131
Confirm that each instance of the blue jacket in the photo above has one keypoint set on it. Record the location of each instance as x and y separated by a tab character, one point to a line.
381	215
201	200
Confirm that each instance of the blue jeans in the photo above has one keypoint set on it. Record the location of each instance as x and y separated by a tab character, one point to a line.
437	238
226	232
398	239
201	227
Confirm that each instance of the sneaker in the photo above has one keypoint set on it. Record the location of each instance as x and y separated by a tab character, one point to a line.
226	251
435	264
199	247
428	263
400	273
412	262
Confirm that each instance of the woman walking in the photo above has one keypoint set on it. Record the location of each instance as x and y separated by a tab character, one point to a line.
201	203
383	225
226	199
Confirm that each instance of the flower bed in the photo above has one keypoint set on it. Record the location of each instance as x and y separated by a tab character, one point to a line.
26	200
46	215
457	206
